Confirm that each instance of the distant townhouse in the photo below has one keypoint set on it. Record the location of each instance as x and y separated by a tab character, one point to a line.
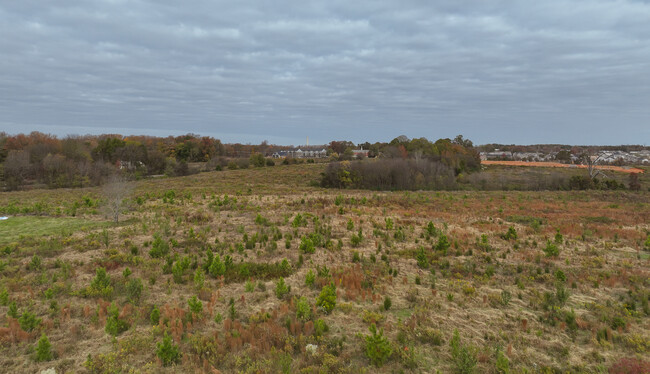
300	153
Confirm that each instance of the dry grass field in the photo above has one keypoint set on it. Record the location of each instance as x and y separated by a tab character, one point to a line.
257	271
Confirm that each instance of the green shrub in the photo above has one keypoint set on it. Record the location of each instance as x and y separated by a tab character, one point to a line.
561	294
217	268
257	160
114	325
389	223
310	278
281	288
356	239
196	307
431	230
36	263
320	327
134	289
616	322
551	250
199	278
443	243
378	348
387	303
12	311
399	235
303	309
307	245
421	257
502	364
323	271
101	284
350	225
505	297
4	297
511	234
43	349
299	221
154	316
327	298
168	352
570	319
159	247
28	321
463	356
285	267
356	257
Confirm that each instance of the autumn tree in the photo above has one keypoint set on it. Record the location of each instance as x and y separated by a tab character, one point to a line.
16	168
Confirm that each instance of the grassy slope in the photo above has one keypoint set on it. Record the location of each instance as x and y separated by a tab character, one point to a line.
601	256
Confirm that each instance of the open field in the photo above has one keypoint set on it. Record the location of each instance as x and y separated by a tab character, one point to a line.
532	281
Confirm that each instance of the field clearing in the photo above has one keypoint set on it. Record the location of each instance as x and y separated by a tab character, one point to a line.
552	281
620	169
22	227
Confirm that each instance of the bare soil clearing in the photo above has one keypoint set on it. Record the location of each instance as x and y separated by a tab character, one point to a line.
620	169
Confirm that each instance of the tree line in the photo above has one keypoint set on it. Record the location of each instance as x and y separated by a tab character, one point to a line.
80	161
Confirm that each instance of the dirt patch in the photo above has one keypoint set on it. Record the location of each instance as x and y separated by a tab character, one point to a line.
621	169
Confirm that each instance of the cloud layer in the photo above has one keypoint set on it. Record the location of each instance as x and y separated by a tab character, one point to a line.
499	71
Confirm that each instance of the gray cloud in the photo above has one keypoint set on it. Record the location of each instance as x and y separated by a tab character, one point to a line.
499	71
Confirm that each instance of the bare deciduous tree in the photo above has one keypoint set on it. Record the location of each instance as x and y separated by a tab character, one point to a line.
116	190
592	161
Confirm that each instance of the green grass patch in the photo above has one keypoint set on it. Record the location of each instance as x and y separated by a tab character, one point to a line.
16	228
526	220
403	314
599	219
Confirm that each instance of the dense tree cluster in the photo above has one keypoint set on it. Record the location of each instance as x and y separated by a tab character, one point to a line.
78	161
459	153
406	164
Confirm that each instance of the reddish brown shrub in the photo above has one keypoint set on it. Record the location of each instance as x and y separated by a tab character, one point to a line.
630	366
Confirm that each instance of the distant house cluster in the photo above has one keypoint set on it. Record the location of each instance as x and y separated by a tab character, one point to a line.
517	156
632	157
300	153
602	157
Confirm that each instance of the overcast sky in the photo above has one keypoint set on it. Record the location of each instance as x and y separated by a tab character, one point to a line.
515	71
